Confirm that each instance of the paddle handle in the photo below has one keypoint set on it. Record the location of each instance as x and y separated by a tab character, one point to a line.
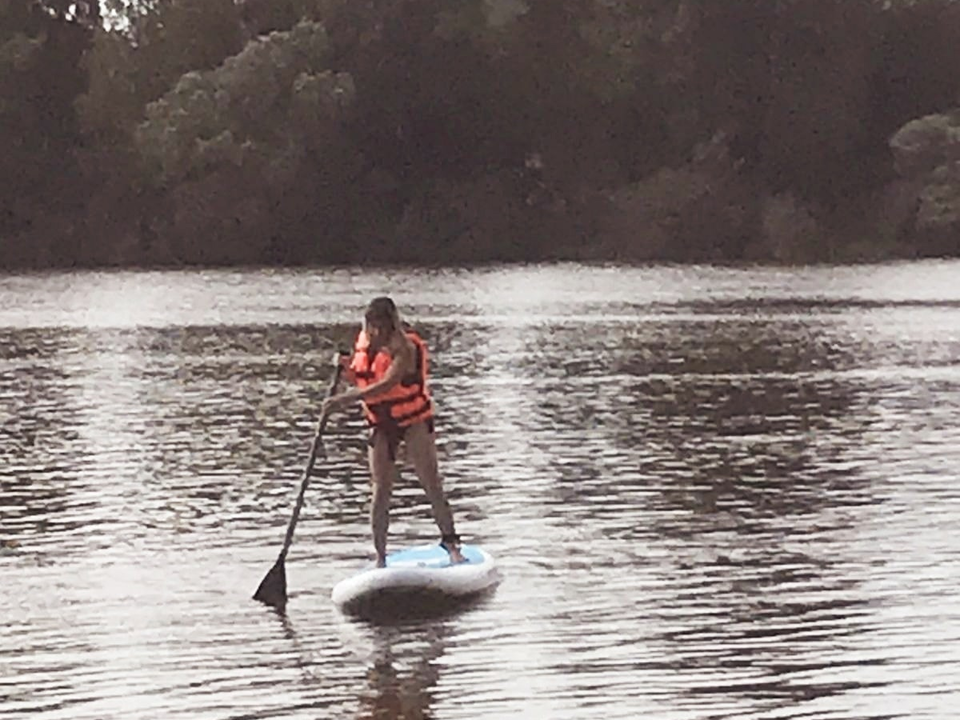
314	451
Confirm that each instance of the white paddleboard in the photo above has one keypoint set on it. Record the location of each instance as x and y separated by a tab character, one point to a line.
416	581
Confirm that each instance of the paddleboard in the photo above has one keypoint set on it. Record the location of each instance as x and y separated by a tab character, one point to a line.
418	581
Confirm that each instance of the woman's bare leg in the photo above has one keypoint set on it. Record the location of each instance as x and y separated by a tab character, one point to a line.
382	472
422	453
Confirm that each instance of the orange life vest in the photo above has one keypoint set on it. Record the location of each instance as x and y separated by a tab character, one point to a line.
405	403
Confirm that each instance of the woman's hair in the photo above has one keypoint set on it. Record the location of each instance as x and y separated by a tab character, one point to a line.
383	313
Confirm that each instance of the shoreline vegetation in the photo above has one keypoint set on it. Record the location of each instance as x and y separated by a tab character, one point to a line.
350	132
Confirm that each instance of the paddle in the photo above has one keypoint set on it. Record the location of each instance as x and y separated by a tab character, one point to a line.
273	588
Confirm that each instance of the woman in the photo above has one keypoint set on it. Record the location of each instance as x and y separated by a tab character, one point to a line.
389	369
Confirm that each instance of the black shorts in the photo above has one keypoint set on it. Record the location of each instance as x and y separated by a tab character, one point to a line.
394	434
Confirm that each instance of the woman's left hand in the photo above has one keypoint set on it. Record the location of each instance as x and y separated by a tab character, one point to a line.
329	405
336	402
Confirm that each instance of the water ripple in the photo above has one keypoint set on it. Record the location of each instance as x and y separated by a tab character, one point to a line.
713	493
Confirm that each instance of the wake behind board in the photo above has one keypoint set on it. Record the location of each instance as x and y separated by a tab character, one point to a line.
417	582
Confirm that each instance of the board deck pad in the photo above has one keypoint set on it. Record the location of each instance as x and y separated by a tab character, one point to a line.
432	556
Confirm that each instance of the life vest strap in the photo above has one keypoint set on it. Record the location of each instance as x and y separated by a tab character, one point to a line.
391	402
418	414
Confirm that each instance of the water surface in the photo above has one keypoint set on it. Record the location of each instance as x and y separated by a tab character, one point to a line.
713	493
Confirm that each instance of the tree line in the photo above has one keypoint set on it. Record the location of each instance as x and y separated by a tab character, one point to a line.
223	132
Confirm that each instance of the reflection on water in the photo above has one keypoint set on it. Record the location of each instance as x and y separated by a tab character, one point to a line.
713	493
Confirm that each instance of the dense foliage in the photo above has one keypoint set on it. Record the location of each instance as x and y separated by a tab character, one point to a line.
370	131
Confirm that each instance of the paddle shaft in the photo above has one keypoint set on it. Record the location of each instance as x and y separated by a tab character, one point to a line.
314	451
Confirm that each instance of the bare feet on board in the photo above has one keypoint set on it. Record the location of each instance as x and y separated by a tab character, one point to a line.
456	556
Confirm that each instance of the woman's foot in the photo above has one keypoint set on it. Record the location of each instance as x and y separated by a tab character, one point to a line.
452	546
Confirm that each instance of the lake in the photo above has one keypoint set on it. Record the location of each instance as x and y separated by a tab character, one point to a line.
712	492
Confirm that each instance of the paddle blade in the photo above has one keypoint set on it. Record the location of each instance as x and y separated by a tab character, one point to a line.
273	588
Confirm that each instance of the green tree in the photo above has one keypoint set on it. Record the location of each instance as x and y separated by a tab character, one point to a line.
927	152
40	185
252	152
790	80
917	72
213	131
143	50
